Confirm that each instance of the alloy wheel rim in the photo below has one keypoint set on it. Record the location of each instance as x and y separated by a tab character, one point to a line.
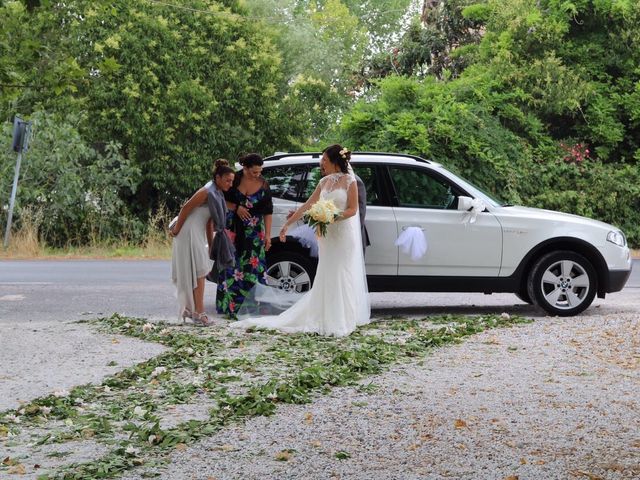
288	276
565	284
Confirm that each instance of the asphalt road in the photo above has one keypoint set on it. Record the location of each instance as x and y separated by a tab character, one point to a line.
62	290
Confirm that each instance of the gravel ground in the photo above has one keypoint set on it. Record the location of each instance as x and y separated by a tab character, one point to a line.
53	356
556	399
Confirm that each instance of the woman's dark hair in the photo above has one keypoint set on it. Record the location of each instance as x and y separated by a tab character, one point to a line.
251	160
221	167
338	155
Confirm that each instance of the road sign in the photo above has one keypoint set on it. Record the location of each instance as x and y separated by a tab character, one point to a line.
20	144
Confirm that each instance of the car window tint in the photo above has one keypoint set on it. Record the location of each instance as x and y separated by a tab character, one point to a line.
416	188
313	178
285	180
368	175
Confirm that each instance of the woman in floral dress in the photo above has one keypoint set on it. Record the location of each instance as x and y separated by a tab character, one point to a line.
249	218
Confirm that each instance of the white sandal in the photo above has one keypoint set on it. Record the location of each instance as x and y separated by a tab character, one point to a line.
201	319
186	313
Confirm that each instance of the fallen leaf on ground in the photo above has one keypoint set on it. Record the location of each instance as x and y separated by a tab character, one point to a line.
308	418
582	473
460	423
283	456
181	447
17	469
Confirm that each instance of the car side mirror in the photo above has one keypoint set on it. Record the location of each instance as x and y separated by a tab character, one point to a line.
465	203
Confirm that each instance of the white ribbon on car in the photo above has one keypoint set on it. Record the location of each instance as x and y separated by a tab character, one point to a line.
307	237
477	206
412	242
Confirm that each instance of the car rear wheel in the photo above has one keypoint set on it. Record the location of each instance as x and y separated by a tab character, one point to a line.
290	271
562	283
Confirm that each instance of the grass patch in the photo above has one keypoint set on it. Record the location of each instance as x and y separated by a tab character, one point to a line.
26	243
242	375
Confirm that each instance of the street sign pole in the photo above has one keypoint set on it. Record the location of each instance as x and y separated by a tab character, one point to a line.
21	133
7	231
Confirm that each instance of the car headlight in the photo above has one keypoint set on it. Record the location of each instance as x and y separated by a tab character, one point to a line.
617	238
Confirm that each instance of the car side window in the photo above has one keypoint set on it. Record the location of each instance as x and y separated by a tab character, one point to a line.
368	175
313	177
285	181
418	189
366	172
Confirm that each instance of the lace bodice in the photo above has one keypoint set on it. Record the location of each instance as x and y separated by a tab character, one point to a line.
335	187
336	181
339	197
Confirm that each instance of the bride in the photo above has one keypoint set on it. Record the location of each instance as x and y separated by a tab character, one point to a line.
338	301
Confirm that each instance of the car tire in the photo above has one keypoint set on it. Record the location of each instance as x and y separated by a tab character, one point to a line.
562	283
290	271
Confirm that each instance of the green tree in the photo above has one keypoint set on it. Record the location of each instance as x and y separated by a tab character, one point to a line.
73	190
433	44
177	86
323	43
546	112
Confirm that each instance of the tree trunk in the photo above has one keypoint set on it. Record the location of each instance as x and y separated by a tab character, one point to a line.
427	6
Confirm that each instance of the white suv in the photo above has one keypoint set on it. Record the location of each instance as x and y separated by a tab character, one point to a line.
554	260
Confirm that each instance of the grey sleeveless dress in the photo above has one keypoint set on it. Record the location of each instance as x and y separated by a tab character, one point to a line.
190	256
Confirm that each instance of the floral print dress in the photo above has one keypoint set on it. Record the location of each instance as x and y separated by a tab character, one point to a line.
234	284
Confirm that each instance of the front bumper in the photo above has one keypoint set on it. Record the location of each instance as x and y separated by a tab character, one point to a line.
617	279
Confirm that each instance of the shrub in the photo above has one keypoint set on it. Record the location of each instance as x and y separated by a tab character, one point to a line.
75	190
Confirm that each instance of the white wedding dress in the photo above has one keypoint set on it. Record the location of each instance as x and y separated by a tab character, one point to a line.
338	301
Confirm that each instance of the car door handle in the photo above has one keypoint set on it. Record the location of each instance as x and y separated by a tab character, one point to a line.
407	226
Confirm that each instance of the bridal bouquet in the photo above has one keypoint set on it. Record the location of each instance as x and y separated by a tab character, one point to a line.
321	214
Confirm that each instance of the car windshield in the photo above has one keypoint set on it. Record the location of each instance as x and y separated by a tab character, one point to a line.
488	198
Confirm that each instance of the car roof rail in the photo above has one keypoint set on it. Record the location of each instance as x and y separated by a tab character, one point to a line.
280	155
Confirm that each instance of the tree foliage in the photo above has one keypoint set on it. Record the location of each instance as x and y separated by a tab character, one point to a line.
176	87
74	191
546	77
323	43
432	44
538	100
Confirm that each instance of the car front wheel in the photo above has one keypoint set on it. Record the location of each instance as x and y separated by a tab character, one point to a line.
290	271
562	283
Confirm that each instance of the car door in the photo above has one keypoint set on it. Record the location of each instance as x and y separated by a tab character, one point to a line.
381	256
455	245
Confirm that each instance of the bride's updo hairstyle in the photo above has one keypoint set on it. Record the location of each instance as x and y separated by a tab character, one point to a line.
251	160
338	155
221	167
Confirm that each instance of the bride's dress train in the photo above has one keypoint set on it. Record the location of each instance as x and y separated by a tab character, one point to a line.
338	302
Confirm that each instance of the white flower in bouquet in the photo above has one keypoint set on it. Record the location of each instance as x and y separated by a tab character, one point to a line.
320	215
